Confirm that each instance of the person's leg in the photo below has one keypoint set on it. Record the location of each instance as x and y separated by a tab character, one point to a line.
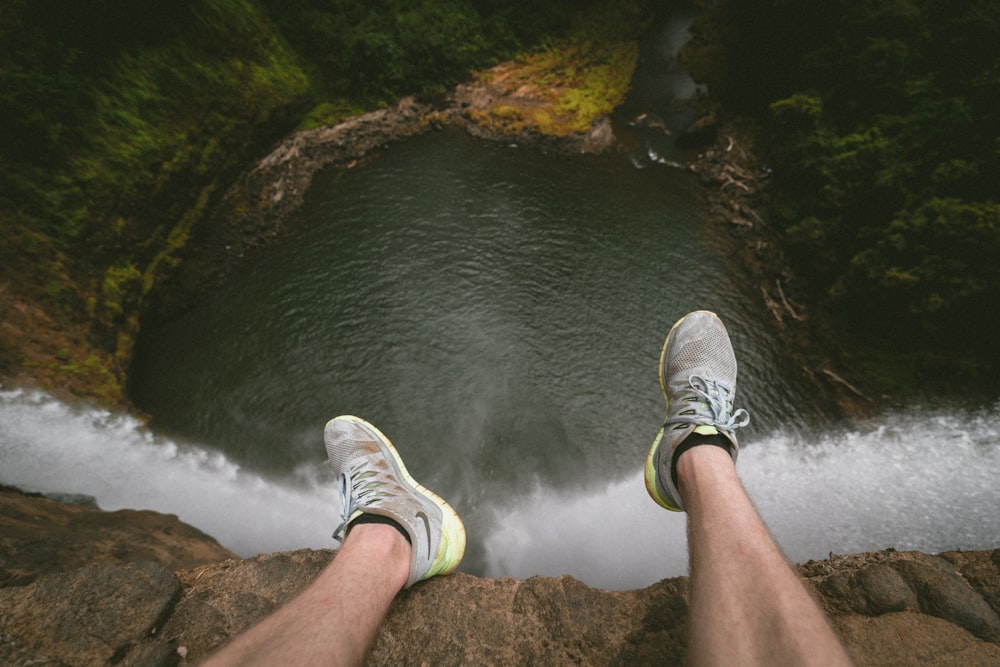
395	533
335	619
748	607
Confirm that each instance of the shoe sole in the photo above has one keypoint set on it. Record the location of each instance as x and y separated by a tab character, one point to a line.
453	538
650	467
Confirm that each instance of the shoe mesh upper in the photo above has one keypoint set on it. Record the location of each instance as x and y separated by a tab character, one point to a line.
698	378
706	351
374	480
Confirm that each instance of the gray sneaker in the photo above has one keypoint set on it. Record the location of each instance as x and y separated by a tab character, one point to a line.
698	379
374	480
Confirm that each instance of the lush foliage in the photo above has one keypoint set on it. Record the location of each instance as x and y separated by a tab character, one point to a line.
885	119
117	115
567	85
374	51
121	121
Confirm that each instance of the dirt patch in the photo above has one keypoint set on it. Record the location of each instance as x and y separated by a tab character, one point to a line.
39	536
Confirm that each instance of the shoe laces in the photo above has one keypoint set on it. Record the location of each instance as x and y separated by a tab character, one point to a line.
714	407
356	493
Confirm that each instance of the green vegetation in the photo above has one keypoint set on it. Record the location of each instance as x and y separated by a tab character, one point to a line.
563	88
122	122
884	127
370	53
593	71
116	116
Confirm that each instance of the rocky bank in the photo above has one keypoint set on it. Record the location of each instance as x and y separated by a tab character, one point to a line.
86	587
259	208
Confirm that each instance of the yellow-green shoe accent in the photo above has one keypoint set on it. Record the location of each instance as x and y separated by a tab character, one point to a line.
374	480
698	379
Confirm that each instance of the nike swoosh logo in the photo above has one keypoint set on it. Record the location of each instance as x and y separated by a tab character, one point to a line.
427	527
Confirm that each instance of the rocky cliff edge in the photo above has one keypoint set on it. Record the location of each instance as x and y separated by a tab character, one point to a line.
86	587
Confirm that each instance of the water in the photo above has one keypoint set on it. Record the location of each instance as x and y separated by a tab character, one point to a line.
881	484
499	314
658	107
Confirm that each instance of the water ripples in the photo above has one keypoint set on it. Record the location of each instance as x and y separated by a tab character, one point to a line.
498	313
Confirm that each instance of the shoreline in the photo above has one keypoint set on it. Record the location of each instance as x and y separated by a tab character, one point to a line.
737	191
40	350
256	212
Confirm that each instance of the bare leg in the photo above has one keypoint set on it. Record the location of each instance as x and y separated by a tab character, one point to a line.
748	607
335	619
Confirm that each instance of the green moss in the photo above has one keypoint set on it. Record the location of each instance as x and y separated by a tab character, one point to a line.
118	282
167	258
329	113
544	121
574	80
103	383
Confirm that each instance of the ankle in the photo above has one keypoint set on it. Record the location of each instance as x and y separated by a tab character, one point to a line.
697	462
695	441
381	543
368	518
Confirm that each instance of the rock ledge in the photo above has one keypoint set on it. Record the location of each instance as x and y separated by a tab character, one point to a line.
140	608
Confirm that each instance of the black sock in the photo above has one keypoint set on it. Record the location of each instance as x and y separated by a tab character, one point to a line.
694	440
378	518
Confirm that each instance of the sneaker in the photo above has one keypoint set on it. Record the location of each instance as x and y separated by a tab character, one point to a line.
374	480
698	379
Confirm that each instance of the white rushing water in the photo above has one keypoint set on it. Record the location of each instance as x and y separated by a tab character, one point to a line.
912	480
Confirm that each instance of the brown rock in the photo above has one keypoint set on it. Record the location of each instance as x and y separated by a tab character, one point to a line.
944	593
885	590
890	608
91	616
871	590
40	536
256	210
561	621
983	574
908	638
221	600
